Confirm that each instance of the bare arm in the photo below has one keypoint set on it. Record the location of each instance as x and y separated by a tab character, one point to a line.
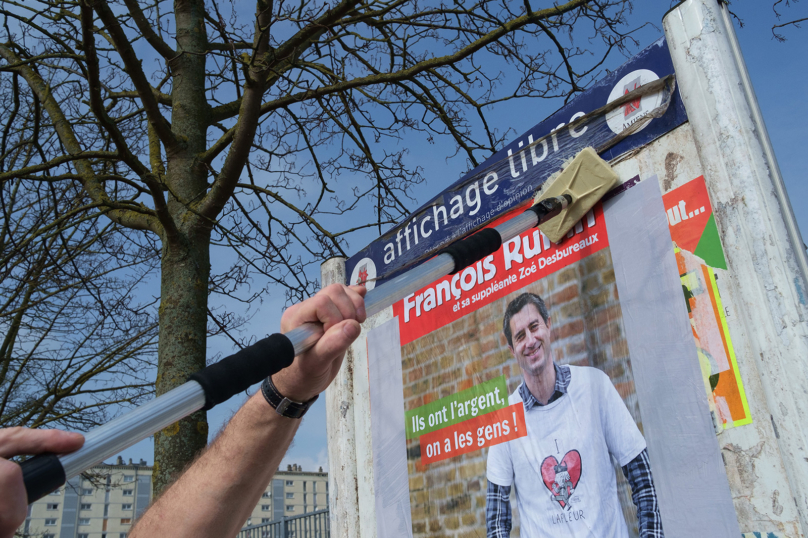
217	493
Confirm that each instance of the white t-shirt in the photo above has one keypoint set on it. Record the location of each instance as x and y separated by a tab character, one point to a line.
564	479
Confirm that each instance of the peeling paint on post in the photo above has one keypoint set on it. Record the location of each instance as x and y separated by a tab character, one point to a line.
343	502
350	450
765	461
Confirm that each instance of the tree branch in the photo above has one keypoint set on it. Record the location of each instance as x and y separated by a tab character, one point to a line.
97	105
148	32
263	61
57	161
68	138
133	68
397	76
284	57
781	37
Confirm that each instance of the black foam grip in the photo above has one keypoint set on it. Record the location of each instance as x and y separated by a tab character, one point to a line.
474	248
42	474
238	372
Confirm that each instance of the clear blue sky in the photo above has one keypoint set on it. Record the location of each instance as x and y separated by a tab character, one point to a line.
780	81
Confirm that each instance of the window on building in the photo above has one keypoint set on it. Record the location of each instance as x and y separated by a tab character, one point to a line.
126	521
53	506
126	507
128	492
84	521
50	522
48	535
290	482
304	485
123	535
57	492
265	508
86	491
128	478
290	508
84	535
290	495
265	495
265	520
85	506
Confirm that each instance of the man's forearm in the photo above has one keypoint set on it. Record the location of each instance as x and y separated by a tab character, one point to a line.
643	493
216	495
498	518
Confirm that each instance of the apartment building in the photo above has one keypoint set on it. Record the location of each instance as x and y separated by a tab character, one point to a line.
101	503
105	501
292	492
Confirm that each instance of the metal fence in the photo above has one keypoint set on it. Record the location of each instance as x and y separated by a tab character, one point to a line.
311	525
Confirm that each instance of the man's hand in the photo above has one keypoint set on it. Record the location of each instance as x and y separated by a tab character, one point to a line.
340	309
16	442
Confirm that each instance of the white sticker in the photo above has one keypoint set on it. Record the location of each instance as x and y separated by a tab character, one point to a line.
633	111
363	273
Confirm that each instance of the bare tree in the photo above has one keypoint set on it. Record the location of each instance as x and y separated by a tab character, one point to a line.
275	134
75	343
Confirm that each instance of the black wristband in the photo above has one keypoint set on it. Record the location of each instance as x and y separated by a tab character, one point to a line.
281	404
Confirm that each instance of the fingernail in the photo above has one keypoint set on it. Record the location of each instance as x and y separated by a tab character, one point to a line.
351	330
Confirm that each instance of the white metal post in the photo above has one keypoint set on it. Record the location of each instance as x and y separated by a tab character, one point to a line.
767	280
343	501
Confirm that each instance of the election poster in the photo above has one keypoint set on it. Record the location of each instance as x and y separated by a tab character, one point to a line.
534	312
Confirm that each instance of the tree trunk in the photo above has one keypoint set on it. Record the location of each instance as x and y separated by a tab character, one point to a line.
182	350
186	256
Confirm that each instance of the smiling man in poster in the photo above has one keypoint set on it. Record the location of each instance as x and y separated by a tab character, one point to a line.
562	470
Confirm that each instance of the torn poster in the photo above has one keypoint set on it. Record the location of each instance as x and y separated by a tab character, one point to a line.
701	260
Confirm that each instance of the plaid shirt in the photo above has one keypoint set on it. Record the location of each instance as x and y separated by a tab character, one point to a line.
498	518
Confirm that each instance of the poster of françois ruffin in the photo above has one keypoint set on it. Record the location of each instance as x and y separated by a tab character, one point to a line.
520	411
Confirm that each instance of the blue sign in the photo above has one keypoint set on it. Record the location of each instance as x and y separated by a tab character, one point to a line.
512	175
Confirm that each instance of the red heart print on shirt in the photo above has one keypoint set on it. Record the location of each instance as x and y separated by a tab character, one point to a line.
562	478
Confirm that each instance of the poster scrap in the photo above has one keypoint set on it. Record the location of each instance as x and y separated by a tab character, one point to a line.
700	259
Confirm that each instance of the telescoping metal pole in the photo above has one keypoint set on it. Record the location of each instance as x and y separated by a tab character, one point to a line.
574	192
215	384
